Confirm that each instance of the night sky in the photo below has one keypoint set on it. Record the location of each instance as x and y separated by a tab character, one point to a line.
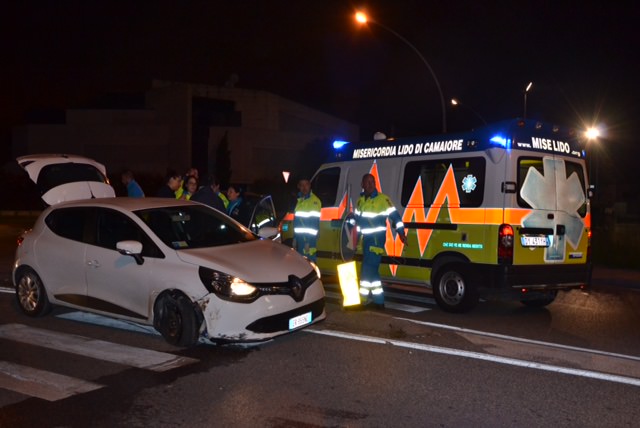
582	58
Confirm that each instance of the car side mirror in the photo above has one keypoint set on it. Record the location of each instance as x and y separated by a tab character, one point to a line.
268	232
131	248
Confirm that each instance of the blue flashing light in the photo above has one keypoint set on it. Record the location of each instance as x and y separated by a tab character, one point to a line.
337	144
500	140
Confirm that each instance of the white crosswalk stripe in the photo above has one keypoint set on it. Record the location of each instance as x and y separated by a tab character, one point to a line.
40	383
388	304
52	386
98	349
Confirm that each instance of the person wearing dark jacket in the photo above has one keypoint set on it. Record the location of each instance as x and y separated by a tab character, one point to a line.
210	195
172	183
238	208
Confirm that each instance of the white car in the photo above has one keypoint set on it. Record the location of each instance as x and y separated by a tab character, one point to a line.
181	266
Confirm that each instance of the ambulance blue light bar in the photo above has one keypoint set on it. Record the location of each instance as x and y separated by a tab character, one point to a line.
338	144
500	140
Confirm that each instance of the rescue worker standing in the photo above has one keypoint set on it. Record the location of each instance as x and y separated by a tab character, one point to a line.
306	222
372	211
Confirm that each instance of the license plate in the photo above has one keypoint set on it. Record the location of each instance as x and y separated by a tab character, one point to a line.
300	320
534	241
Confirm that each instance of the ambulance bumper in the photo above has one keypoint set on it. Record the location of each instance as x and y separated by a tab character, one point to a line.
541	278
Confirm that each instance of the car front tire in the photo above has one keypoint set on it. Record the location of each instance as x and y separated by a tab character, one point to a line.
31	294
176	320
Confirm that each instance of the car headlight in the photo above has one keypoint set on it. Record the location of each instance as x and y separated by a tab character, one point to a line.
316	268
227	286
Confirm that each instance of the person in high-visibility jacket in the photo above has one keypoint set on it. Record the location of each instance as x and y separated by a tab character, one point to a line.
372	210
306	221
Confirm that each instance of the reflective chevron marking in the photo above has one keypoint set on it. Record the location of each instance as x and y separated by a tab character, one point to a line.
42	384
99	349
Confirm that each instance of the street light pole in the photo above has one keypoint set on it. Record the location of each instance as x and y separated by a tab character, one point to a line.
524	116
592	135
363	19
455	102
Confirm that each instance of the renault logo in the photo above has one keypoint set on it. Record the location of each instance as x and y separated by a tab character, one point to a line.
296	287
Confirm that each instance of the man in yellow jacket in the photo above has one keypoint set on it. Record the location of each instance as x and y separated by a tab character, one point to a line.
306	223
372	211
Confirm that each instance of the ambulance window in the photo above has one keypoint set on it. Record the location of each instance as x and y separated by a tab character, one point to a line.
325	186
469	176
576	168
525	164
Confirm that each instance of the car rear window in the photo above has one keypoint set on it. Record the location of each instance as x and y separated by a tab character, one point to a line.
69	222
57	174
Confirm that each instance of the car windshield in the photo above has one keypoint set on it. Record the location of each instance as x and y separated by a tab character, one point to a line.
187	226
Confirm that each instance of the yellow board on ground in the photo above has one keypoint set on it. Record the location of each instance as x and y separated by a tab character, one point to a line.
349	284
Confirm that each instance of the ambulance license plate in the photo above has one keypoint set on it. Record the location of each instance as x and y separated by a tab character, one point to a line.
300	320
534	241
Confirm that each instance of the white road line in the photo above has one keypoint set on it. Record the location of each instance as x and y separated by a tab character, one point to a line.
8	290
522	340
480	356
390	293
391	305
93	348
42	384
405	308
413	298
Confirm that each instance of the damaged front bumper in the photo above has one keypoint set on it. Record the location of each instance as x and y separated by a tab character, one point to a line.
267	317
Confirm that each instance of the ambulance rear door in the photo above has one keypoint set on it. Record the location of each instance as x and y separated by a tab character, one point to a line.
553	187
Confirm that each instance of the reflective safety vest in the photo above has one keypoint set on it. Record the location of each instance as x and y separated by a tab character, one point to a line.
179	192
372	212
307	215
225	201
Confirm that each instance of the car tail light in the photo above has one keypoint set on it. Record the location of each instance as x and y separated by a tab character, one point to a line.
20	240
505	244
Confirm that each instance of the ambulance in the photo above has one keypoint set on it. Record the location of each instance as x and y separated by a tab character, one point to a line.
500	212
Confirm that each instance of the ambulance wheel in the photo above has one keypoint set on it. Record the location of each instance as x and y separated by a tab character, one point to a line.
542	302
452	289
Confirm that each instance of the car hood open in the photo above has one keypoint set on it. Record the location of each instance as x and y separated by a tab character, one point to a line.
63	178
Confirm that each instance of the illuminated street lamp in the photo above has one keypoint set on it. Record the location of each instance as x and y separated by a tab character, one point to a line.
592	133
455	102
362	18
524	116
